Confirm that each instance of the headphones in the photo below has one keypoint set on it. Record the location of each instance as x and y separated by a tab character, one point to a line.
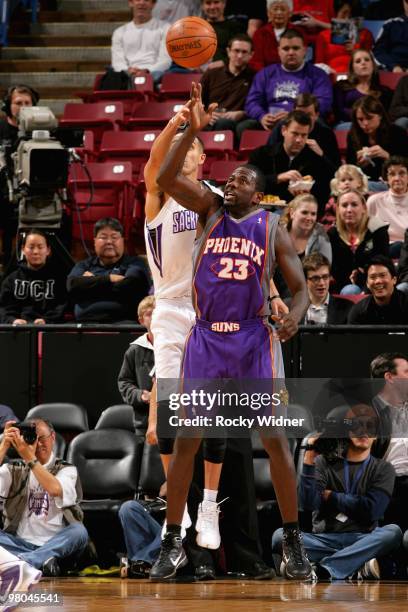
6	107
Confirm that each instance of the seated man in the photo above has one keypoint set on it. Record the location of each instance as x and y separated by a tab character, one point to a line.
322	139
291	159
392	206
275	88
347	496
228	86
42	519
225	28
324	309
135	378
390	49
139	47
107	288
386	305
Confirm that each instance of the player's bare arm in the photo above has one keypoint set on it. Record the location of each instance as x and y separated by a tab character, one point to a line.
155	198
171	180
291	268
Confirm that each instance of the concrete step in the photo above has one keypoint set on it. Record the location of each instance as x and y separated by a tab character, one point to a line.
74	29
52	65
93	16
102	54
57	106
92	5
42	80
58	41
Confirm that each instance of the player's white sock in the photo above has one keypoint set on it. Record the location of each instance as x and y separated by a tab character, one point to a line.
210	495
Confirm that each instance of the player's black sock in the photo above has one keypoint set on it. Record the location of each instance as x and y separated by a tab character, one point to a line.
289	526
174	529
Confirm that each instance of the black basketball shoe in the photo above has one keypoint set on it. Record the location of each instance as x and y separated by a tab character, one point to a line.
171	557
295	561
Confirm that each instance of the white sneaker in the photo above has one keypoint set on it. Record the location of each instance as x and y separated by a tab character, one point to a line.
19	576
371	570
185	524
208	532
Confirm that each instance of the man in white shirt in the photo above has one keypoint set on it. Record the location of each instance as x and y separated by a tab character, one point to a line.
139	47
42	520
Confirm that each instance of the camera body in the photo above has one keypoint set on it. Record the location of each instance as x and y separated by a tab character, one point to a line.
332	442
27	430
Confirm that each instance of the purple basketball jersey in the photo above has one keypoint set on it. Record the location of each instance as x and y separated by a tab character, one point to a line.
233	263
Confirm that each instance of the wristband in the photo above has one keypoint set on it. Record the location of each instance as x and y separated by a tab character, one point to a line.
32	463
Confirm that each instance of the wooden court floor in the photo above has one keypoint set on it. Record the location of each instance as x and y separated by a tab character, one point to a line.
116	595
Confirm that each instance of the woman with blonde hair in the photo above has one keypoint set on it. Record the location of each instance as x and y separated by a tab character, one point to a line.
346	177
355	239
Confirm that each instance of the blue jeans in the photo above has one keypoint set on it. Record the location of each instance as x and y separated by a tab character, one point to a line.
70	540
142	533
342	554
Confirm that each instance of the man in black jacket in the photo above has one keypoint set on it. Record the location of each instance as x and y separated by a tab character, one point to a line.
386	305
291	160
107	288
135	378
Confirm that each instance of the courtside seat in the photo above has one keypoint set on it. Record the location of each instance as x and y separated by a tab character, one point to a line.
67	419
151	472
120	416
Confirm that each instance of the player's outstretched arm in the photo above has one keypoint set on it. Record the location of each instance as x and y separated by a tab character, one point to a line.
154	196
291	268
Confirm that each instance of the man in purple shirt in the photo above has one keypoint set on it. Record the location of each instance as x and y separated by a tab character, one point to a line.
275	88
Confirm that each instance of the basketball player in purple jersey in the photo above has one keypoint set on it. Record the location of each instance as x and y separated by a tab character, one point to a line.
237	246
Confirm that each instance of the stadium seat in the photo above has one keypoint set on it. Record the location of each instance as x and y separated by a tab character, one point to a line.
341	137
221	170
151	472
217	145
250	140
120	416
133	147
374	26
177	86
66	418
143	91
97	116
107	191
390	79
153	114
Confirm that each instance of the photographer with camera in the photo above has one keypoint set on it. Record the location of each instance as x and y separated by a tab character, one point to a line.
347	495
42	519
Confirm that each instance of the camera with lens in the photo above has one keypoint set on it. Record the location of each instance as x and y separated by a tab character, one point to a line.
332	439
27	430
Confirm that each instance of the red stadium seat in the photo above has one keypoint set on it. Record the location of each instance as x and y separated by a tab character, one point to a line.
352	298
153	114
390	79
128	146
217	145
178	85
108	191
98	117
221	170
250	140
143	91
341	137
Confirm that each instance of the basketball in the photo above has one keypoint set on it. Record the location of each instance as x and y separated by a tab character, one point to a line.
191	42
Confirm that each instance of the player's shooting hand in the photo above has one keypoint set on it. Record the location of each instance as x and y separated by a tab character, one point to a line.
287	326
199	117
182	116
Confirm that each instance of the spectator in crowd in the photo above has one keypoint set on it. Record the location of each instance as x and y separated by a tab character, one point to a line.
324	309
362	80
14	99
266	38
372	139
139	47
291	159
399	104
346	177
42	519
172	10
321	139
253	13
275	88
108	287
225	28
36	291
392	206
355	239
135	378
386	305
392	446
347	497
382	9
403	266
312	16
337	56
228	86
390	49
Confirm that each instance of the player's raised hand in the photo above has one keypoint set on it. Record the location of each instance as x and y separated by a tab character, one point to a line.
199	117
182	116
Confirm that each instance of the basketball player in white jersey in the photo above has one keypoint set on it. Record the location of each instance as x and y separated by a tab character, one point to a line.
170	233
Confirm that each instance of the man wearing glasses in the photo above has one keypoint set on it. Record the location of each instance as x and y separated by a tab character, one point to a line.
324	309
42	519
108	287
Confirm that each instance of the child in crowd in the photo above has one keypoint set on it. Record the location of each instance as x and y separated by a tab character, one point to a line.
347	177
